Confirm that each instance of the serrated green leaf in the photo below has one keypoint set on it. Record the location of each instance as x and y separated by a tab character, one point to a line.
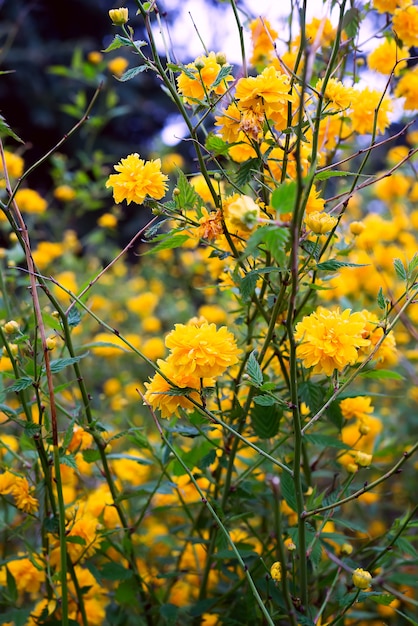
246	170
351	22
169	243
131	73
274	238
59	364
326	441
118	42
69	460
115	571
21	384
381	302
400	269
265	420
207	460
247	286
73	317
288	490
32	429
381	375
332	173
91	456
333	265
264	400
188	198
253	370
126	594
11	585
284	197
216	144
75	539
413	264
5	130
223	73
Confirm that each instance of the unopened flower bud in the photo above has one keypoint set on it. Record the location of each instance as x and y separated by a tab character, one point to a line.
199	65
362	578
276	571
119	16
11	327
363	428
220	58
356	228
352	468
346	548
51	342
363	459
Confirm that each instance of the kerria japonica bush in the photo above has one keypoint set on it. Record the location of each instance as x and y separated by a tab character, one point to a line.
249	459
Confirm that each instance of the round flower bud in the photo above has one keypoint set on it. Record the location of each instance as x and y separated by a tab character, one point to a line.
356	228
51	342
221	58
199	65
363	428
276	571
346	548
361	578
119	16
363	459
352	468
11	327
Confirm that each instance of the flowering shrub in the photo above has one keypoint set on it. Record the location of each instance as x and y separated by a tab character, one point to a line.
222	430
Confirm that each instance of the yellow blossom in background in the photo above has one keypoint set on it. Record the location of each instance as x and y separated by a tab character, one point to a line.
199	184
276	571
357	227
107	220
143	304
329	340
362	578
119	16
384	59
29	201
407	88
201	350
320	31
241	212
153	348
320	223
213	313
262	37
94	57
364	104
64	193
81	439
205	70
14	166
405	24
385	6
28	576
359	407
137	179
118	66
171	162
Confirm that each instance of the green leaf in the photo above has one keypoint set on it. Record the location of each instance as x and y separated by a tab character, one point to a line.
376	596
188	198
207	460
169	613
351	22
131	73
381	302
75	539
21	384
11	585
170	242
274	238
193	75
223	73
326	441
115	571
333	265
246	171
247	285
69	460
216	145
413	264
32	429
265	420
253	370
284	197
381	375
91	456
407	617
118	42
59	364
5	130
126	594
400	269
288	490
332	173
73	317
264	400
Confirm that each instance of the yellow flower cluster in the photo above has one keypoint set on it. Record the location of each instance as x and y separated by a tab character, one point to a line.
199	80
137	179
18	487
199	352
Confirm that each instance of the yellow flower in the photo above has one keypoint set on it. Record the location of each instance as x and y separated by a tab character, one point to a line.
320	223
64	193
385	6
29	201
242	212
276	571
94	57
46	253
205	70
14	165
201	350
107	220
81	439
336	93
329	340
262	37
361	578
408	88
210	225
119	16
356	228
359	407
159	392
405	24
21	493
28	577
137	179
363	459
383	59
364	104
117	66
